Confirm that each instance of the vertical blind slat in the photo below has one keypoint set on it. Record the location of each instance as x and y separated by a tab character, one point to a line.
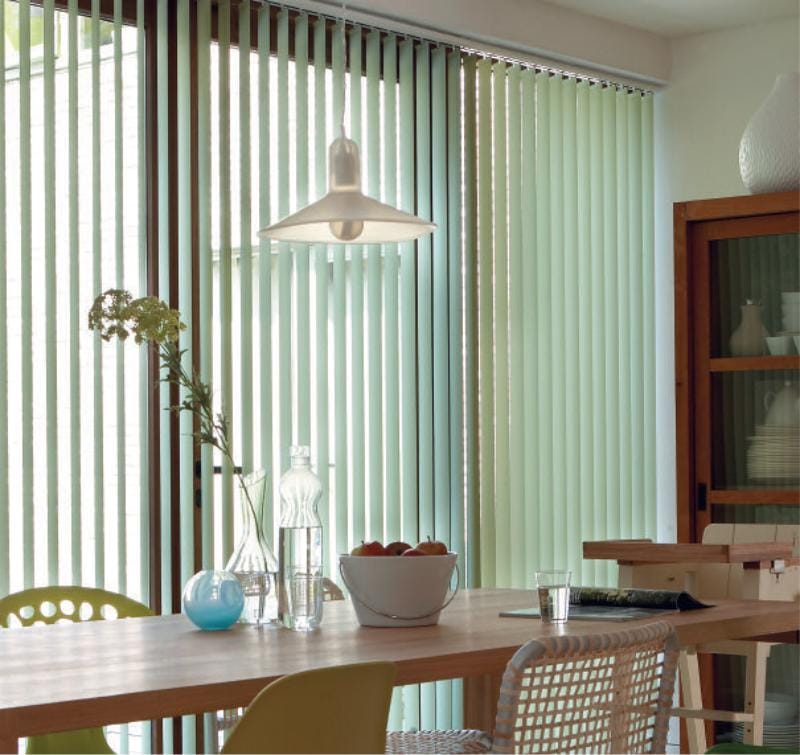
374	405
51	366
97	280
356	256
438	327
596	209
225	263
284	351
302	263
648	285
5	577
472	500
635	309
265	257
391	443
339	325
557	310
501	321
543	318
622	317
321	278
516	413
144	377
121	492
408	326
440	304
205	305
610	339
165	461
427	692
456	538
245	387
424	298
530	368
570	318
25	289
185	304
585	295
485	334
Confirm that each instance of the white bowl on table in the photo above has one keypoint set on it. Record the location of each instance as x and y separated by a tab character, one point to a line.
398	591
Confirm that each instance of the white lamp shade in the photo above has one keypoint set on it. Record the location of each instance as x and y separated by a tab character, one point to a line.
345	215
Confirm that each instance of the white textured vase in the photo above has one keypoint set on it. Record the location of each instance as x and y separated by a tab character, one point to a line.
769	153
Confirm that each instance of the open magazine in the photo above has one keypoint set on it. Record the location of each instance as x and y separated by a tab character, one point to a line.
619	604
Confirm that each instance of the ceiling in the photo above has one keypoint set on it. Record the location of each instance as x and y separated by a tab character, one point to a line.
678	18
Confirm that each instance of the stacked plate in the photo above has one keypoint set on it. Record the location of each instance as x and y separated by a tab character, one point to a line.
774	453
790	311
785	734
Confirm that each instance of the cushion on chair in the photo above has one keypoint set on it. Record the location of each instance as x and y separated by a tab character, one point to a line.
445	742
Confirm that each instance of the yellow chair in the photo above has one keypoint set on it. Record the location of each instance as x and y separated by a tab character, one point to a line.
332	710
51	605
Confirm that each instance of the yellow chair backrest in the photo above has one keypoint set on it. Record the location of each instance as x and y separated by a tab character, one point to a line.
329	710
51	605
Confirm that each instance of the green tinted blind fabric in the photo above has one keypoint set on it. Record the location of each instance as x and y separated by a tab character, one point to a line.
74	511
359	348
565	362
74	491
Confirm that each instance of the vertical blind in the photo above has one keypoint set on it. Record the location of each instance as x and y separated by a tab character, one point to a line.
565	358
73	414
72	485
355	351
490	385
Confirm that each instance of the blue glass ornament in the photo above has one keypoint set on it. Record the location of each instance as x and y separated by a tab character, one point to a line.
213	599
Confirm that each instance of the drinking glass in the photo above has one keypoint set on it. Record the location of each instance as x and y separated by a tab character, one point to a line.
553	589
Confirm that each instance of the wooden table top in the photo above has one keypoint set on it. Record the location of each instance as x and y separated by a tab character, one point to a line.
67	676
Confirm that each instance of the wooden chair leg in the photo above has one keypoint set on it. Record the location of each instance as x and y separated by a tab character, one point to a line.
692	698
754	690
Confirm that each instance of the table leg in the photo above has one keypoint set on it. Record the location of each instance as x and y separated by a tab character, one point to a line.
689	673
480	700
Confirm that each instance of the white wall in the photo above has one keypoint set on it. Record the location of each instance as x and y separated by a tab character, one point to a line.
718	80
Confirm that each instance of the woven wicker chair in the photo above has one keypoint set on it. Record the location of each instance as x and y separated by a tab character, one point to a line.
597	693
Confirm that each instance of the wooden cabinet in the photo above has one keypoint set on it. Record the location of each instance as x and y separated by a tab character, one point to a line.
738	452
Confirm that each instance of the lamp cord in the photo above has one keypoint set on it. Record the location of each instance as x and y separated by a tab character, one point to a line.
344	67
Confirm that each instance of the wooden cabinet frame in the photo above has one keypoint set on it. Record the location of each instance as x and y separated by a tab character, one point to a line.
695	225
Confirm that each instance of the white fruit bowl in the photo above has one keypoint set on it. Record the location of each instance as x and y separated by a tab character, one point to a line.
398	591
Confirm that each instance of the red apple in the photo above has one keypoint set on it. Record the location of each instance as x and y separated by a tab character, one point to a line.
373	548
397	548
432	547
413	552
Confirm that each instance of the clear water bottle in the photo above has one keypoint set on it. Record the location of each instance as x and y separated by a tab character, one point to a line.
300	544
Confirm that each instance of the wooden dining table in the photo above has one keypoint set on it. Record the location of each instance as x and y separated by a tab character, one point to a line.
54	678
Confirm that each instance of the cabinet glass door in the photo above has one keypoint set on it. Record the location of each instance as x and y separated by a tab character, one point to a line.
747	339
755	294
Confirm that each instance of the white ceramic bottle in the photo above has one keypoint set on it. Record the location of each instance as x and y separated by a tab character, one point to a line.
750	338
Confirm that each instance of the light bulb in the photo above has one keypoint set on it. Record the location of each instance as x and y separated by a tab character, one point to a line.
347	230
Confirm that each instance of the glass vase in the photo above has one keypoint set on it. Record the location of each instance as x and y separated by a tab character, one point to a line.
253	561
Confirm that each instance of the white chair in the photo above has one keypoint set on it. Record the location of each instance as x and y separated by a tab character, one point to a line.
592	693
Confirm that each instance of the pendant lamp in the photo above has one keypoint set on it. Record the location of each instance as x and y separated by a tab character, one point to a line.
345	215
